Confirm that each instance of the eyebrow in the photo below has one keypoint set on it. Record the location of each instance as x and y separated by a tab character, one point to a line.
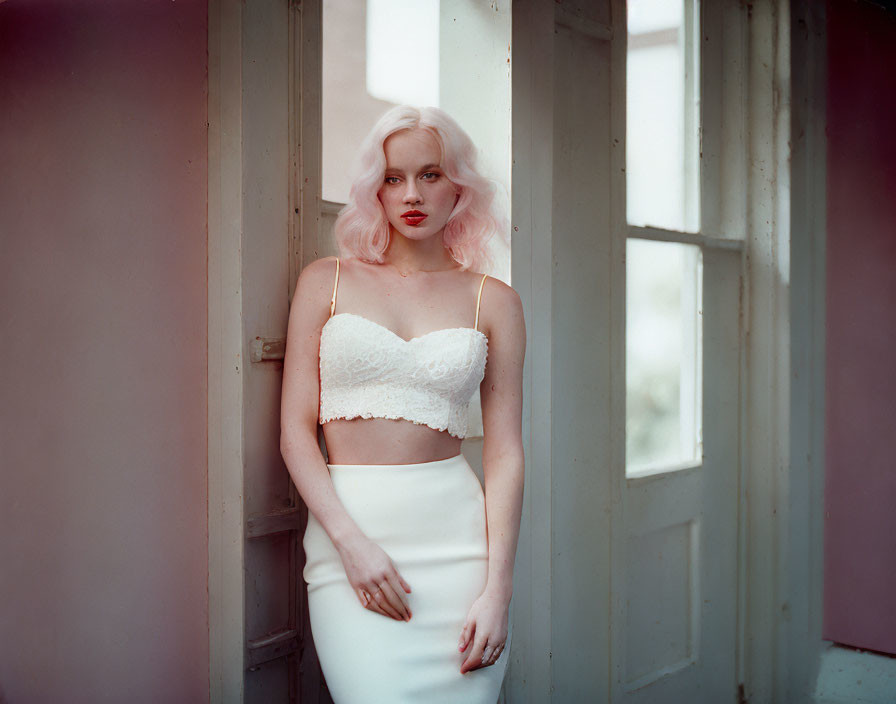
426	167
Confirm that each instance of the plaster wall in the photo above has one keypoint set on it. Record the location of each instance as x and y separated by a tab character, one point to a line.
860	525
103	514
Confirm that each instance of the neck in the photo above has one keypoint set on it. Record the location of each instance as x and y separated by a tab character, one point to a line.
411	256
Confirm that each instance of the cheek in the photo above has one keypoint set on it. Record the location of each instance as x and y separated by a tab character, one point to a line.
383	198
448	199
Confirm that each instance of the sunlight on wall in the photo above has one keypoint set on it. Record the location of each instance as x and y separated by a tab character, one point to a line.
403	51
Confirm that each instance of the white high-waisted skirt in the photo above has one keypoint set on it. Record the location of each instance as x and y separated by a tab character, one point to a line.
429	518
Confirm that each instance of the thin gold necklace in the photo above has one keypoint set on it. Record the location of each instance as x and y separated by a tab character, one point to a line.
401	273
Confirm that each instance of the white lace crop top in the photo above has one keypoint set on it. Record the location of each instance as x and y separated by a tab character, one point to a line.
368	371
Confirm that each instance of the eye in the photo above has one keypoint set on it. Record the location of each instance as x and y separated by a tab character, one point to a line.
430	173
391	179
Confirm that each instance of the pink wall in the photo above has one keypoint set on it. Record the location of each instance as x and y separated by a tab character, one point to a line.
103	531
860	492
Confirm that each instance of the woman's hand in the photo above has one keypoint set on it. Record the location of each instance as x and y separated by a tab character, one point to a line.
486	628
374	578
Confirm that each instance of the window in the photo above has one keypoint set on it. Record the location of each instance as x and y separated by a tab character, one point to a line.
663	271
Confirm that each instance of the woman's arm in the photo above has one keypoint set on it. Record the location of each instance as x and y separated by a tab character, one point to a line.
503	467
502	453
300	399
367	566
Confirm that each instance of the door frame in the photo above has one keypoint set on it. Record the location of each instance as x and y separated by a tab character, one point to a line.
226	519
237	280
802	585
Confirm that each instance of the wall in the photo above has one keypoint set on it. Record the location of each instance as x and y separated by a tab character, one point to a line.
349	111
860	525
103	535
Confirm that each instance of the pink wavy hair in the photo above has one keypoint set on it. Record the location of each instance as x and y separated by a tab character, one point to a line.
362	229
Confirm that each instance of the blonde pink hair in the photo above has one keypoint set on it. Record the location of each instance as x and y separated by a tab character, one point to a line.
362	229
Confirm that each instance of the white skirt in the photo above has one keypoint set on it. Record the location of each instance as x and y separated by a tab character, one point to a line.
429	518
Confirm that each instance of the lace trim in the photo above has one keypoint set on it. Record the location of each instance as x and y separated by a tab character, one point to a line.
395	403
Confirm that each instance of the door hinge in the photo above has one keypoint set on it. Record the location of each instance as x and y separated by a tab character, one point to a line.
265	349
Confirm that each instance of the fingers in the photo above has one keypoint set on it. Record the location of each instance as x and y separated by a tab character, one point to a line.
474	658
386	594
384	601
483	654
376	608
465	636
399	594
370	603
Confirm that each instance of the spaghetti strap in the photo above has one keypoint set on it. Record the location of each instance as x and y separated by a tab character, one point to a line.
335	286
478	299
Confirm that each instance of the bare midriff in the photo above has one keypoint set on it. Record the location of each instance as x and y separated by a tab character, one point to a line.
386	441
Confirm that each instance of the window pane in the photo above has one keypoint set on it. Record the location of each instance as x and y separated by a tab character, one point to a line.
663	355
662	115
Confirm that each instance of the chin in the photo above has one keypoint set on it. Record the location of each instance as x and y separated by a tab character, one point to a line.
415	233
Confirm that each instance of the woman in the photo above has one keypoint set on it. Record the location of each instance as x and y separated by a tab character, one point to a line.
409	564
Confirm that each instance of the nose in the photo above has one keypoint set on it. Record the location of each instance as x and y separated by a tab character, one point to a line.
411	194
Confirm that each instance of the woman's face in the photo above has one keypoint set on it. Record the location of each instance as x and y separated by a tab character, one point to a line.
416	194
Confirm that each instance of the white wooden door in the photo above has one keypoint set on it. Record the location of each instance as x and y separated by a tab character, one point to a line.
675	545
675	589
626	583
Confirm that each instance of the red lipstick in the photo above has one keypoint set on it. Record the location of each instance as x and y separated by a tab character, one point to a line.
413	217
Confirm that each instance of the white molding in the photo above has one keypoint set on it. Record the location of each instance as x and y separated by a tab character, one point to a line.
801	636
530	674
584	333
745	191
767	320
225	353
331	207
659	235
618	388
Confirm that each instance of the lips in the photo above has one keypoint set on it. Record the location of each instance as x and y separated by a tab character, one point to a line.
413	217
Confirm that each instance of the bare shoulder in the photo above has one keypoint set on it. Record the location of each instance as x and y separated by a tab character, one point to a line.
502	308
319	271
315	286
502	298
319	274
